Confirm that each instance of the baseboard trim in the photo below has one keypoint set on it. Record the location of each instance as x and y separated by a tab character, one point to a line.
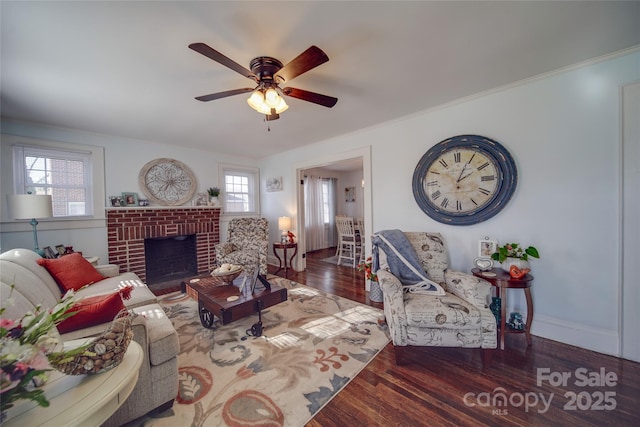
600	340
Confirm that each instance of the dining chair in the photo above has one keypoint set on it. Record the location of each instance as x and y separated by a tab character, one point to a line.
347	243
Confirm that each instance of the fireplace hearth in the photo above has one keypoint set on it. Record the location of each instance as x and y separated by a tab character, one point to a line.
170	258
128	228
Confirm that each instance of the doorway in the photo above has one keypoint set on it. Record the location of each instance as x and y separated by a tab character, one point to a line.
337	161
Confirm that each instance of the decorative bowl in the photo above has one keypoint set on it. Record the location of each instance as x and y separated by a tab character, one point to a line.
105	352
226	274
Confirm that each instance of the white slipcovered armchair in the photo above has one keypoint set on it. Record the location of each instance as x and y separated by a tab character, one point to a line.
460	318
247	244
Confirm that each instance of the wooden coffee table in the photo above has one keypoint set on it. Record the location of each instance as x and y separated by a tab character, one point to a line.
220	300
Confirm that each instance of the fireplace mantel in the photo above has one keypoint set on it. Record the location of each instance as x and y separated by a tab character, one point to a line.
127	227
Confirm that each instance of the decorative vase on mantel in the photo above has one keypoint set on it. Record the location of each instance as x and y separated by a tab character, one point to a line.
520	263
214	201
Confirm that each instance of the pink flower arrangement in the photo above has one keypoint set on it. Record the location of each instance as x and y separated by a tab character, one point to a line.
24	346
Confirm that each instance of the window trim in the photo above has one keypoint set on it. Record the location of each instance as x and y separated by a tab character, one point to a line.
7	186
254	174
20	151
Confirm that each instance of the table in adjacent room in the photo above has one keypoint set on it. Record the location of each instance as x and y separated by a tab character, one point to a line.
503	281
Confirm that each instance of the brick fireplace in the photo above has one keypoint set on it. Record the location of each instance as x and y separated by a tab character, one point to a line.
127	228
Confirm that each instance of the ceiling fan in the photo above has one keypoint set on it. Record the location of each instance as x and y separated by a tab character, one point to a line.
268	73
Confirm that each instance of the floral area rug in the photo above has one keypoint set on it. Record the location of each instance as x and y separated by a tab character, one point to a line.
313	344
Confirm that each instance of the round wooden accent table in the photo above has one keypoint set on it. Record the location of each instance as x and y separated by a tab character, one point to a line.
283	262
503	280
81	400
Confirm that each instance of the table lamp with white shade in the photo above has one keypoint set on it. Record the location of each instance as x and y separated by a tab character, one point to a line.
284	224
25	206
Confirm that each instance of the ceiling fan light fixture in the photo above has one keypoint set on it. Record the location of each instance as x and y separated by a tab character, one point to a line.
267	97
263	102
271	97
256	100
281	106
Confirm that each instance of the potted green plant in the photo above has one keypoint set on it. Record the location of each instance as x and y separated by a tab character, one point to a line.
214	192
514	254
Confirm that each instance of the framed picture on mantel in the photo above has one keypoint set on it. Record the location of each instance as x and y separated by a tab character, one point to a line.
130	199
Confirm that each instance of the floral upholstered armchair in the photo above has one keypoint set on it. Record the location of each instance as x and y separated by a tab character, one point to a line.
460	318
247	244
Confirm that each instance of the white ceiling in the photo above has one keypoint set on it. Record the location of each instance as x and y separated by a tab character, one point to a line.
123	68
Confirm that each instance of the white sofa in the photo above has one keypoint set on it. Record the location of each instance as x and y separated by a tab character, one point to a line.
157	384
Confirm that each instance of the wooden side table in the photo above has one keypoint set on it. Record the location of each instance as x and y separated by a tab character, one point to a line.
503	280
81	400
284	247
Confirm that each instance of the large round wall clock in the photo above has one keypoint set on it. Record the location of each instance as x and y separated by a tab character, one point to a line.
167	182
464	180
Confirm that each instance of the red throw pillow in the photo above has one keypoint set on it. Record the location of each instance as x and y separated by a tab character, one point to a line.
71	271
92	311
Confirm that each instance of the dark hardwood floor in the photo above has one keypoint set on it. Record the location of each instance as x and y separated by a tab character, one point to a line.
443	386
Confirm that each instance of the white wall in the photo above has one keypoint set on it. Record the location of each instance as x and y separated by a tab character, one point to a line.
123	160
563	130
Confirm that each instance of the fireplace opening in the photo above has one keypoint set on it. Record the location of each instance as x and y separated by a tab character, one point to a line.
170	258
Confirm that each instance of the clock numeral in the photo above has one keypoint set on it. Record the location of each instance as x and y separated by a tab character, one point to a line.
435	195
437	173
443	163
432	183
445	203
488	178
483	191
456	157
473	201
458	205
482	166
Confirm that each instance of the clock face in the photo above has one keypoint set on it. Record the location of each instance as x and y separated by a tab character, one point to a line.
167	182
464	180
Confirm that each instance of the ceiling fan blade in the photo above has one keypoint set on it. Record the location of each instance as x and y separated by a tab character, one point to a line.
224	94
305	95
302	63
213	54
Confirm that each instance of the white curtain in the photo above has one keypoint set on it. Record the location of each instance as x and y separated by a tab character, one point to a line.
332	234
318	233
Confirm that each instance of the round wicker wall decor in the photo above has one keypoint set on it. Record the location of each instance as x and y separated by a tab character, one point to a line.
167	182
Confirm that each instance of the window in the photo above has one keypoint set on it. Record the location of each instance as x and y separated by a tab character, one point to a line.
325	201
63	174
240	190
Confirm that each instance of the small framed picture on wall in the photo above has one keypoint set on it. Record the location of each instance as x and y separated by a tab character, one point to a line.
274	184
350	194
